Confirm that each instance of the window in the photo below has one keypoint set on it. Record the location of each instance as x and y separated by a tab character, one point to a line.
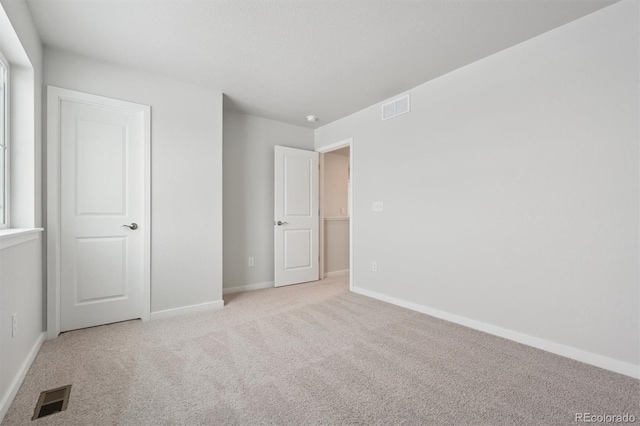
4	143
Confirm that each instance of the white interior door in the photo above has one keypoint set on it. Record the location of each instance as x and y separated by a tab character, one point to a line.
296	220
102	189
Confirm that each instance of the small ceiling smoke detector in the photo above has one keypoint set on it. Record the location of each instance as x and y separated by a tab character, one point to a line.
312	118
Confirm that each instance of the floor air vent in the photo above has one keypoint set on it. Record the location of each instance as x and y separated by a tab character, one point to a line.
52	401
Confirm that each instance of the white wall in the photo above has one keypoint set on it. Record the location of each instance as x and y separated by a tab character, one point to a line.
511	192
335	193
21	284
186	173
248	194
21	293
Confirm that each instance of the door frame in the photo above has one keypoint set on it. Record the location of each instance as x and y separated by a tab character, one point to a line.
55	95
323	150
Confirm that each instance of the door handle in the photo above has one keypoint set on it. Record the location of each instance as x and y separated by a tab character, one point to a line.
133	226
279	223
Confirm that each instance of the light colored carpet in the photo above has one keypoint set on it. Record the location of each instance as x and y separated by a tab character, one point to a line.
312	354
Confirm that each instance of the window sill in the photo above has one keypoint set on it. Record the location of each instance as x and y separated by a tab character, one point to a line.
12	237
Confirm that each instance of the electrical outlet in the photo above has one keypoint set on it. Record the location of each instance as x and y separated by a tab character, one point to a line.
251	263
377	206
374	266
343	210
14	325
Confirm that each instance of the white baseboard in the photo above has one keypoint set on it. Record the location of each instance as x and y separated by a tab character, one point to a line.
335	274
201	307
241	288
591	358
11	393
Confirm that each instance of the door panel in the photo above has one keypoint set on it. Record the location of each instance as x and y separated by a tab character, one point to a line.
296	209
100	269
297	186
101	152
297	245
102	162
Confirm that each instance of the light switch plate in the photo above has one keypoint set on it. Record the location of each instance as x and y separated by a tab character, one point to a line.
377	206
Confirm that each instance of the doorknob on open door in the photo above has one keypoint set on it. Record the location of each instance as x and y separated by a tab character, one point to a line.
279	223
133	226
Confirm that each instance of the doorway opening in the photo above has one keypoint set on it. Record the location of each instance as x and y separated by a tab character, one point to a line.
336	211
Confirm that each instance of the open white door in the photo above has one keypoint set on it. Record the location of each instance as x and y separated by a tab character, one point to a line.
103	216
296	216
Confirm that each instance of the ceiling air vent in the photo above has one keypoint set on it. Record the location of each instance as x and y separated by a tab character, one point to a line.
396	107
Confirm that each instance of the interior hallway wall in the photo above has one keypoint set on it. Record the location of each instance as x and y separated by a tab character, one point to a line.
336	185
335	199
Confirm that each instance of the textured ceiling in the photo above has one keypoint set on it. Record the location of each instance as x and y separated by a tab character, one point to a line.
286	59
